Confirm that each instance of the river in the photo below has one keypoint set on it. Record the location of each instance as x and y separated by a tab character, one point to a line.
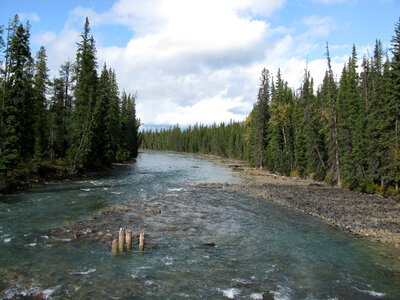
256	248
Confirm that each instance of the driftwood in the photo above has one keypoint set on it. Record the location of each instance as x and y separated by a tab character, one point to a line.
141	242
124	241
114	247
121	240
128	239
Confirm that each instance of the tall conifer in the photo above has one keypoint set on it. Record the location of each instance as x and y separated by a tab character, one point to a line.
395	99
41	81
85	100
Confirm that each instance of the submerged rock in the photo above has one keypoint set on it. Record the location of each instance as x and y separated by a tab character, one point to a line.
208	245
156	211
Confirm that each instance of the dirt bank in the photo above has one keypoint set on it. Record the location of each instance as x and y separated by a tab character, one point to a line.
370	216
48	174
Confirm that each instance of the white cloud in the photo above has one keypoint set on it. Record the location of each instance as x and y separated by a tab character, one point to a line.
79	14
330	1
59	47
200	51
45	38
196	61
207	111
319	26
31	17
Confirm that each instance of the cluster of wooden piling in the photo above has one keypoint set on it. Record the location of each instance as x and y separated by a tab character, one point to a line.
124	242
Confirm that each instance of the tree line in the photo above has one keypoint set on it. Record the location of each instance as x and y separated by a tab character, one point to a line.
345	132
223	140
77	119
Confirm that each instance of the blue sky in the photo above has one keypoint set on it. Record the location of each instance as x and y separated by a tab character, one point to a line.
200	60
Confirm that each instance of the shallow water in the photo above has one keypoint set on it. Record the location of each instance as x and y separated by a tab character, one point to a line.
262	250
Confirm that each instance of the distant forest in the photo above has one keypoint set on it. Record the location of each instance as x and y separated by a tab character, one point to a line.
77	119
346	132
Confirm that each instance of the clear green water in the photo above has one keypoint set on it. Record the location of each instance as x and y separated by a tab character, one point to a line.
261	249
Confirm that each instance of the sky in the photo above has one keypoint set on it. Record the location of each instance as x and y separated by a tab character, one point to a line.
200	61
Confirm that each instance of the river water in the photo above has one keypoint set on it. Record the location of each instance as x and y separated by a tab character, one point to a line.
261	249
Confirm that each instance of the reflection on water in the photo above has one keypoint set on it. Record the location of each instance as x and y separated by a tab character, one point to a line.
255	249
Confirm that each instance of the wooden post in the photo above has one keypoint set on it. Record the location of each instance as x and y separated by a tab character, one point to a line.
141	242
128	239
121	239
114	247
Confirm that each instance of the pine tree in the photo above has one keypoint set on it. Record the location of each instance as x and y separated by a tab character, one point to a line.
308	158
18	116
85	128
330	115
99	119
41	81
60	127
123	152
129	130
65	75
375	87
11	29
385	120
314	138
112	119
85	92
351	125
279	151
300	159
261	118
395	100
56	128
249	137
347	134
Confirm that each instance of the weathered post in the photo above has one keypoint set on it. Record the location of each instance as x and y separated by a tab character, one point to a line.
121	239
128	239
141	242
114	247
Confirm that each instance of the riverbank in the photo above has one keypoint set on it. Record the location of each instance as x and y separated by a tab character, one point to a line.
369	216
48	174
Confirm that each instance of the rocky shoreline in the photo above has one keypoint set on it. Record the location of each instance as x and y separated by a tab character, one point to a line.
369	216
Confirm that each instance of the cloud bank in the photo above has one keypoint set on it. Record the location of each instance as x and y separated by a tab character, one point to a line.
198	60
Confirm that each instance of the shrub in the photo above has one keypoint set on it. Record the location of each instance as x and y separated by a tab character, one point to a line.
391	191
122	155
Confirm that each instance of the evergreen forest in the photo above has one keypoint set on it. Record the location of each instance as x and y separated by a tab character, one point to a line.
344	132
77	120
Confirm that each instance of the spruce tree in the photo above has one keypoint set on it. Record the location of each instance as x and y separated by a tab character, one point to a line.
41	81
99	119
85	90
57	128
313	130
112	133
351	124
279	151
375	88
300	159
18	114
249	137
384	127
395	100
261	118
330	115
129	130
